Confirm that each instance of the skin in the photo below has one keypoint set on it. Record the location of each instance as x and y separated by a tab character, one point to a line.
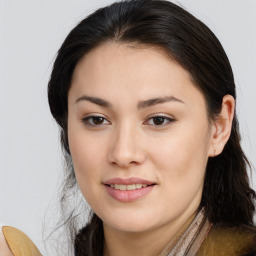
4	248
128	142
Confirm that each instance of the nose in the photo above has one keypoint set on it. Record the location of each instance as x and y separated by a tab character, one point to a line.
126	147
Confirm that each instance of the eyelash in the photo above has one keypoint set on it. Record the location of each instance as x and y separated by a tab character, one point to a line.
86	120
89	119
167	120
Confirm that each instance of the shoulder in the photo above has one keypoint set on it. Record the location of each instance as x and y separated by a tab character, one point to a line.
226	240
14	242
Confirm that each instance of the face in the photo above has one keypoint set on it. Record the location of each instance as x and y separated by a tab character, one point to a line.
139	137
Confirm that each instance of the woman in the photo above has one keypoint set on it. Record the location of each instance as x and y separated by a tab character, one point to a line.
144	96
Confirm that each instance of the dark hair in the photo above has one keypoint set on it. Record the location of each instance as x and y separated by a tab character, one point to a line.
227	196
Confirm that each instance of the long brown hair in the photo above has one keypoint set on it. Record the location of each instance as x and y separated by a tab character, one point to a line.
227	196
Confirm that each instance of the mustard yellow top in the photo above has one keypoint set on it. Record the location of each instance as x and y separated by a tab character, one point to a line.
19	243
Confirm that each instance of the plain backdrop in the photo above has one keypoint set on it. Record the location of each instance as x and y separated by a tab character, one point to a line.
31	31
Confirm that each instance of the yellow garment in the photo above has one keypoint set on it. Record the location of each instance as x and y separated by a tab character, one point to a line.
19	243
233	241
214	240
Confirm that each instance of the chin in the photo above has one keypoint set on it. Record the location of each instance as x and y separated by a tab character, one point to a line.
132	223
131	227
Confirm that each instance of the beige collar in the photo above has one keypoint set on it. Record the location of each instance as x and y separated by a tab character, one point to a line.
190	237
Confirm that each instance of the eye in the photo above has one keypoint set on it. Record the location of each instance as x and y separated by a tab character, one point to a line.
159	120
95	121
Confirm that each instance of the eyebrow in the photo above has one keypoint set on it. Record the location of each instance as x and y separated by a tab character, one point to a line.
159	100
95	100
141	104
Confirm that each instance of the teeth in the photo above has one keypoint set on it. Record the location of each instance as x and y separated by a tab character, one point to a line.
131	187
122	187
128	187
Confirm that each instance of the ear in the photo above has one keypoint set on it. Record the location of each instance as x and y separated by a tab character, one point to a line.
221	127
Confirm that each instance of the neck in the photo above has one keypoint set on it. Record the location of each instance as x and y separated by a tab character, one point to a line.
143	243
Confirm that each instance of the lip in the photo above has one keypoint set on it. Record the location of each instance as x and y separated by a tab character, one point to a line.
128	181
128	195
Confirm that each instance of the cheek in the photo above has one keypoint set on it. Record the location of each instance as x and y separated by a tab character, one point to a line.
181	160
180	154
87	156
181	176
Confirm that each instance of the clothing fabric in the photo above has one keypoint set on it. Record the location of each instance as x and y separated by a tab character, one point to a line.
232	241
19	243
201	238
189	241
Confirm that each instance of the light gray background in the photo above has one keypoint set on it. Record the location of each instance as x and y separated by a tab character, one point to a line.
31	31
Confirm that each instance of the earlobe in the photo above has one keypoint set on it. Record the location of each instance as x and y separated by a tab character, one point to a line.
221	127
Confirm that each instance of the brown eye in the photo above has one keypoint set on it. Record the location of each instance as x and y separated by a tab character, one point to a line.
95	121
158	120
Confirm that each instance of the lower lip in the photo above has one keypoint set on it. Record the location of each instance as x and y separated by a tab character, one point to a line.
128	195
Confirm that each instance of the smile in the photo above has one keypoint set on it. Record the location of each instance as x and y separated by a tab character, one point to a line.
128	187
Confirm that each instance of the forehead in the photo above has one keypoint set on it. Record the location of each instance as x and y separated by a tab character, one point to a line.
133	59
121	71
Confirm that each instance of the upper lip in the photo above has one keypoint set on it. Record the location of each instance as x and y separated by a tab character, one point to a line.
128	181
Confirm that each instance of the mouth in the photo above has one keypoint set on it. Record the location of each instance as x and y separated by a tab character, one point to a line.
127	190
128	187
131	183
